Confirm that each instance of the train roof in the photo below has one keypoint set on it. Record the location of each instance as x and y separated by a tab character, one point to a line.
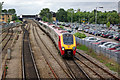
57	29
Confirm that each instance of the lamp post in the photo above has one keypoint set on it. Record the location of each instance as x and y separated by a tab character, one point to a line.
72	16
96	16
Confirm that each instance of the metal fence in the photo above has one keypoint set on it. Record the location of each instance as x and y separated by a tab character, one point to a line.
11	24
99	50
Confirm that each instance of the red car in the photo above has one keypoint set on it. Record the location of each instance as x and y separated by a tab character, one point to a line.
100	42
116	50
114	47
97	42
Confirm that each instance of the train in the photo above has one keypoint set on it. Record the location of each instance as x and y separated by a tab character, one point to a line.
64	41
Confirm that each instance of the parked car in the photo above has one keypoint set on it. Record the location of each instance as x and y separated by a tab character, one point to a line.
105	35
58	23
99	42
113	44
110	36
93	32
67	25
117	37
92	39
90	31
106	44
101	32
86	30
98	33
63	24
114	47
80	29
116	50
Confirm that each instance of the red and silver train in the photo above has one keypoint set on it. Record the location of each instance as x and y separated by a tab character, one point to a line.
64	41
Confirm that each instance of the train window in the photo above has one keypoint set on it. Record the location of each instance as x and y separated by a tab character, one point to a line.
68	39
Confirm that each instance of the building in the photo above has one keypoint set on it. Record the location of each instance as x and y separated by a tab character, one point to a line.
5	17
29	16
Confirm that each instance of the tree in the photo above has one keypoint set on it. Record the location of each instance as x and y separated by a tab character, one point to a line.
46	13
45	19
12	11
8	20
4	11
108	24
14	17
70	14
61	15
1	3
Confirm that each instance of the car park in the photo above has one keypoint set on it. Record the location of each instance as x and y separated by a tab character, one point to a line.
96	30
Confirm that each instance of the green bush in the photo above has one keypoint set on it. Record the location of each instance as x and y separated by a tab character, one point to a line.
18	21
80	35
61	27
108	24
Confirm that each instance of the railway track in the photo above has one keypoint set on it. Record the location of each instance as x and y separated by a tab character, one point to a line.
8	39
4	36
52	70
75	70
29	68
53	56
94	67
2	31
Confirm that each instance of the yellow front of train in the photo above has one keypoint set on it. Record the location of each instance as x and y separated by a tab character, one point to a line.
68	45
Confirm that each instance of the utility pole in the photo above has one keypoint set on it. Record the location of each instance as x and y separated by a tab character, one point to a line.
72	16
96	16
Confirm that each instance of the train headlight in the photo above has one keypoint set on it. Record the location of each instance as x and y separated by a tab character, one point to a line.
63	48
74	48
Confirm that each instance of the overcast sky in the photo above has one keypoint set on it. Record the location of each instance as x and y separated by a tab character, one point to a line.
34	6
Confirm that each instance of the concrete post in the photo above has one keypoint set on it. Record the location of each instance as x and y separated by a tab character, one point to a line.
8	53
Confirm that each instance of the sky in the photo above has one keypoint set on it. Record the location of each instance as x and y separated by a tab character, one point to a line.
34	6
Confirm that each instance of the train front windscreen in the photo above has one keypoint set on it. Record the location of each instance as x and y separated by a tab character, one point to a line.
68	39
